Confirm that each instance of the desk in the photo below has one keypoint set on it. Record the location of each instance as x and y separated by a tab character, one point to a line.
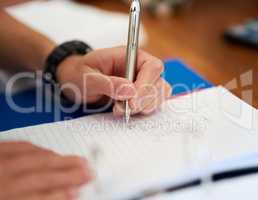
195	36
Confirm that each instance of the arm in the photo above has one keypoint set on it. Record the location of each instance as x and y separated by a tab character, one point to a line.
29	172
21	48
103	70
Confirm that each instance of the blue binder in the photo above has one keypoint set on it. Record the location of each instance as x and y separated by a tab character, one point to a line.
181	77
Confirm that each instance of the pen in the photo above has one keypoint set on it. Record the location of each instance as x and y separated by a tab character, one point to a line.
132	47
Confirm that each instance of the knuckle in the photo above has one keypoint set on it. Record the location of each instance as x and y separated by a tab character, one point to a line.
53	179
149	89
76	161
158	66
140	52
47	180
81	173
77	177
83	69
160	83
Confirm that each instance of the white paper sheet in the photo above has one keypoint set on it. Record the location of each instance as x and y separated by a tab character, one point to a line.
64	20
183	140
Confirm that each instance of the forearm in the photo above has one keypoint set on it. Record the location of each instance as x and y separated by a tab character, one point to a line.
21	48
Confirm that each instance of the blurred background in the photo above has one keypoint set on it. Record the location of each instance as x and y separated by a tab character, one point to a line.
194	31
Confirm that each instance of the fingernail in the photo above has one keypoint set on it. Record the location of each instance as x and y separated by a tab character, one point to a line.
118	110
126	91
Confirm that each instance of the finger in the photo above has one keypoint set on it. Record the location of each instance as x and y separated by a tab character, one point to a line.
91	84
118	109
160	89
147	94
148	75
117	58
110	61
138	104
149	69
40	161
152	107
43	181
161	98
16	148
65	194
115	87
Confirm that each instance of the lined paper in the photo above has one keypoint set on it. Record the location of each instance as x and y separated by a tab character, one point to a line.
185	138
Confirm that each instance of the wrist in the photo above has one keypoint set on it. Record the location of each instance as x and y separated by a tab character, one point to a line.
60	66
67	73
40	54
45	52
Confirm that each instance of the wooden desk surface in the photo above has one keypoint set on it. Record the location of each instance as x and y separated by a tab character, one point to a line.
195	36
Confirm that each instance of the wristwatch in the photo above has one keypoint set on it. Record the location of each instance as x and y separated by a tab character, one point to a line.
59	54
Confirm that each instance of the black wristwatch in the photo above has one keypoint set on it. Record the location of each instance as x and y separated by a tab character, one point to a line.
59	54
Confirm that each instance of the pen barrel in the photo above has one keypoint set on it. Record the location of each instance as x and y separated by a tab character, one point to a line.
133	38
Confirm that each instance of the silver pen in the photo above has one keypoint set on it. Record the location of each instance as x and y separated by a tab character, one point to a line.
132	47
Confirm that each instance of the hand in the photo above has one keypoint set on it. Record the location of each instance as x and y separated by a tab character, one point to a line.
28	172
89	78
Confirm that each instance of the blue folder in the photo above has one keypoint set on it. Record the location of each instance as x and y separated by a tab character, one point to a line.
181	77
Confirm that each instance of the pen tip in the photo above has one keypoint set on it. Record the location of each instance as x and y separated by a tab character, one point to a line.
127	119
127	112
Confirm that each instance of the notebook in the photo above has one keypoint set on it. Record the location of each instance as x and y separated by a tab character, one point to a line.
191	140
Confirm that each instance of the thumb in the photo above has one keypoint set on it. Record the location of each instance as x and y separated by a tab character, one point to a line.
114	87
